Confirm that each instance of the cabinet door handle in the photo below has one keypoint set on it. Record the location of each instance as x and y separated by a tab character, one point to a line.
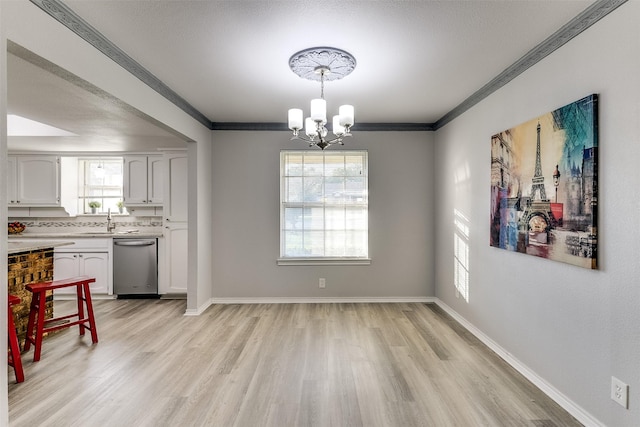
80	255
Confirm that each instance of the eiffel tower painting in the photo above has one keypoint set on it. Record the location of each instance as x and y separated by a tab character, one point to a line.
538	179
537	218
524	219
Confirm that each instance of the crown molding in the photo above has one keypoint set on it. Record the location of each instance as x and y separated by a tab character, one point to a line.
571	29
592	14
360	127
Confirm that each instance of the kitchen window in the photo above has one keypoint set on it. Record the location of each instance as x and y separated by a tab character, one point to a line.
324	207
100	183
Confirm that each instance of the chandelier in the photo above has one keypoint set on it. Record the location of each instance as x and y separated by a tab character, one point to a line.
321	64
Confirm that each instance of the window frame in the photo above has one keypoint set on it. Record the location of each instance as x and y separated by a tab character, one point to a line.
84	187
324	204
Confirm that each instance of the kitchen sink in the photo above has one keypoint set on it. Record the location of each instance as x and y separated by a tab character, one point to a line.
108	232
95	232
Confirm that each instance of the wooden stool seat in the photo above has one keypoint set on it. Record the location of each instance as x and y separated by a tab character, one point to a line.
37	325
14	358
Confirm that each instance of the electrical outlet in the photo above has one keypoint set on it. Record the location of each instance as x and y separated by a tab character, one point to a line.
322	283
620	392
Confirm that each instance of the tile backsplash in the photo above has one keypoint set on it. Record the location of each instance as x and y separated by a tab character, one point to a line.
83	223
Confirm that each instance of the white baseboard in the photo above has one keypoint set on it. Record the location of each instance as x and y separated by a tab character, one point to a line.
173	296
567	404
198	311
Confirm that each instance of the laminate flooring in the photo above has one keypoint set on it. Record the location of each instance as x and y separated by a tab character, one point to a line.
274	365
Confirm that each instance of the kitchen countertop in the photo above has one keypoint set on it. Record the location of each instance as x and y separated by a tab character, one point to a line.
84	234
33	245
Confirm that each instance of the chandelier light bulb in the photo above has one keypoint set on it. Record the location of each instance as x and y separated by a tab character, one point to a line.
319	110
310	127
338	129
346	115
295	119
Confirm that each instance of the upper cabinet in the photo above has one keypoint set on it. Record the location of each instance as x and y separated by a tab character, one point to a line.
33	181
143	180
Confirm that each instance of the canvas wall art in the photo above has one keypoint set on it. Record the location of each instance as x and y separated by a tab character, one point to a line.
544	185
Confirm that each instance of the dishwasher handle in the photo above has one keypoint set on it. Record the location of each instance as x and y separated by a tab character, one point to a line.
134	243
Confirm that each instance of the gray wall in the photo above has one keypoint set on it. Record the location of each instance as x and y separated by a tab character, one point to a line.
245	217
574	327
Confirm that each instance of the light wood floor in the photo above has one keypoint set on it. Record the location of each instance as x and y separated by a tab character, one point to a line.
274	365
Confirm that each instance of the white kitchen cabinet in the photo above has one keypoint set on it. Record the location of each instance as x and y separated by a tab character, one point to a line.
173	271
86	257
33	181
143	180
12	180
174	246
175	183
90	264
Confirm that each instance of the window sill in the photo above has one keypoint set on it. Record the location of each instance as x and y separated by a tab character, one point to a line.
324	261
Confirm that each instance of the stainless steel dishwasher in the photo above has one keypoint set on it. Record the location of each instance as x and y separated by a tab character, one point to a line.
135	266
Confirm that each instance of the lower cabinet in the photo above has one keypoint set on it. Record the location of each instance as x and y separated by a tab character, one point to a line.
91	262
173	250
83	264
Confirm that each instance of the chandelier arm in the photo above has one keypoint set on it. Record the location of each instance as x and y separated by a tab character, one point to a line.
338	139
322	143
302	138
335	140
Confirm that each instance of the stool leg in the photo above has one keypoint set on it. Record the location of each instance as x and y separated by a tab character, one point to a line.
79	298
32	321
92	320
42	298
16	360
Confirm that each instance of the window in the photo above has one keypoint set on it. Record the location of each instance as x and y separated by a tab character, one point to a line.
461	255
100	180
324	205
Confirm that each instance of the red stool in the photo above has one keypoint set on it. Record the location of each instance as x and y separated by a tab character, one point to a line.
14	348
37	325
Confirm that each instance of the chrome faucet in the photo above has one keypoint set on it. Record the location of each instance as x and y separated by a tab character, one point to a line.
110	225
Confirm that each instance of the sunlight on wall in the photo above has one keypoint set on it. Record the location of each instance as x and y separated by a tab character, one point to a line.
462	174
461	255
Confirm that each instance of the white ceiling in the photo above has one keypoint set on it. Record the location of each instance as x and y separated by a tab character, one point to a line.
416	60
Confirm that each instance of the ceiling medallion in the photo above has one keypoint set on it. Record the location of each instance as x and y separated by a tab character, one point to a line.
322	64
305	62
